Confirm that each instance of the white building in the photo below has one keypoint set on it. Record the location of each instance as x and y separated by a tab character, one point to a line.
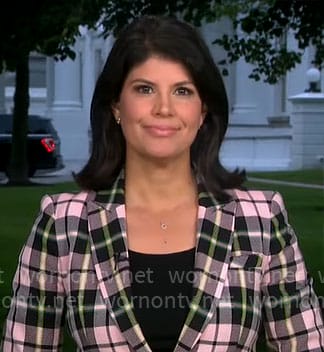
260	134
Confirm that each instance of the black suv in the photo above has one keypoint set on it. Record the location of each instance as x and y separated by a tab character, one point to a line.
43	144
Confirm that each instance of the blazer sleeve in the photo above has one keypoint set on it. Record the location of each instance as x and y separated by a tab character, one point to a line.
293	320
35	318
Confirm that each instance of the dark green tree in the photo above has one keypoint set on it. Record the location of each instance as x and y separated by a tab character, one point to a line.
44	26
264	26
260	28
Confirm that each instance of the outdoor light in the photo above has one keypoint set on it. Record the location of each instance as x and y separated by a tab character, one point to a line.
82	30
313	77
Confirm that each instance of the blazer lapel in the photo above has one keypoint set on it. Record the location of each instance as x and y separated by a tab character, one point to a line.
106	219
214	243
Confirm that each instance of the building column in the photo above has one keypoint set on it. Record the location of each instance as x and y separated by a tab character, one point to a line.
65	107
2	95
67	84
244	107
88	69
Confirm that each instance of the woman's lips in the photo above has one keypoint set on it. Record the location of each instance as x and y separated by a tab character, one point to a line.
161	131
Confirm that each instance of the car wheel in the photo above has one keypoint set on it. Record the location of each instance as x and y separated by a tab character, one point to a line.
31	171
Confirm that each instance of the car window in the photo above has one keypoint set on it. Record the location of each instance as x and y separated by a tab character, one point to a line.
36	125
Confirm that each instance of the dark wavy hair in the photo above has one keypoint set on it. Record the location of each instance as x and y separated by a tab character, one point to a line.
176	40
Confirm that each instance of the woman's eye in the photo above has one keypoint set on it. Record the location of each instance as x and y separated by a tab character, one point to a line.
144	89
183	91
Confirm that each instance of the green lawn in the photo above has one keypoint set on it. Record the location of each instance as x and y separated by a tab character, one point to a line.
307	176
306	214
19	207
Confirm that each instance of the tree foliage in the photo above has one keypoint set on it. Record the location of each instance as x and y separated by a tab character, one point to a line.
261	36
260	28
44	26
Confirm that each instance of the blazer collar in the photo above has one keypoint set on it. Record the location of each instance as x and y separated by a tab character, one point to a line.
107	232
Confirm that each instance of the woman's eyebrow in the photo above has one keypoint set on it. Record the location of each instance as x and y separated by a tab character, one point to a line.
146	81
141	80
183	83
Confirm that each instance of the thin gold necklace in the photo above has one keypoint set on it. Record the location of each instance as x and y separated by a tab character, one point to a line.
163	225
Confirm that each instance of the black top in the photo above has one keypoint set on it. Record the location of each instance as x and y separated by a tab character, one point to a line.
161	293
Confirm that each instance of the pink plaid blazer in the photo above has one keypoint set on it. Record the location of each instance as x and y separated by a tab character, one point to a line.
249	271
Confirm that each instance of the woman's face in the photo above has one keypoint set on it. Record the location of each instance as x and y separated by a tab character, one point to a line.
160	110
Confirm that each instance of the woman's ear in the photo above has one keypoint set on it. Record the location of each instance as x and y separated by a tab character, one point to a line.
203	114
116	111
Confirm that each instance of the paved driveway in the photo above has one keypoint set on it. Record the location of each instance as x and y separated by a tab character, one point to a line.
46	178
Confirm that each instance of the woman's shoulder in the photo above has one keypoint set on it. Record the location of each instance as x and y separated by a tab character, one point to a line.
257	198
62	202
252	195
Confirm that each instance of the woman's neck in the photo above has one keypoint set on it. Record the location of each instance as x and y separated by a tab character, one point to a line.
159	186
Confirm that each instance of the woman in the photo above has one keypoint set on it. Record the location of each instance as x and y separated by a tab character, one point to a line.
162	250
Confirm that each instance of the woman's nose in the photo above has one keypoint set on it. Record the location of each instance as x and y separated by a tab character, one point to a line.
163	105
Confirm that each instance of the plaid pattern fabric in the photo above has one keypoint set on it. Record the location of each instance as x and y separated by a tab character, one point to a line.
248	271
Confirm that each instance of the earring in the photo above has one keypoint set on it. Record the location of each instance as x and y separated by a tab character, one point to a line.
118	120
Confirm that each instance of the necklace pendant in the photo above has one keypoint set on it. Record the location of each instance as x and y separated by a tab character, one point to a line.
163	225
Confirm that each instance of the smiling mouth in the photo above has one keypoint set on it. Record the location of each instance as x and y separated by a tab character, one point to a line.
161	131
